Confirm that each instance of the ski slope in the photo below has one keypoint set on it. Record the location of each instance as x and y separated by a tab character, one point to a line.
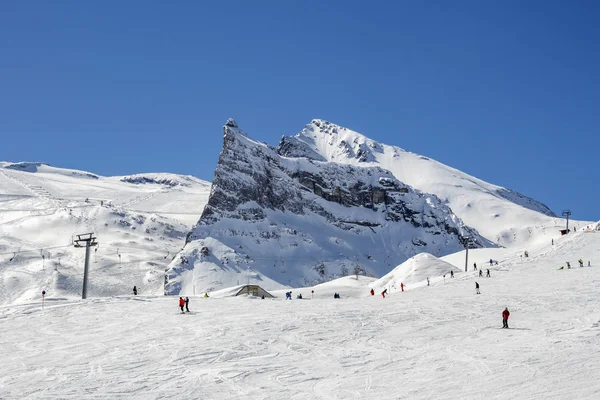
436	342
140	221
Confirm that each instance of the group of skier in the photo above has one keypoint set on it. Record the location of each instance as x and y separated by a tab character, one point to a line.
185	303
580	261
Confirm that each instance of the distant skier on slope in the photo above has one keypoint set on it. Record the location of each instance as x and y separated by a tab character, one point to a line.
402	286
477	288
475	266
383	293
187	302
580	262
487	274
451	274
481	273
505	315
372	292
491	262
181	304
135	290
427	281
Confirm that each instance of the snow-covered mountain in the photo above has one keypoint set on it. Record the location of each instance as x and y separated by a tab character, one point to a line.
295	220
140	222
318	206
500	214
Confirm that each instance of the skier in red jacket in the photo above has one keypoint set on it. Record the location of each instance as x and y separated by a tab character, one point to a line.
505	315
181	303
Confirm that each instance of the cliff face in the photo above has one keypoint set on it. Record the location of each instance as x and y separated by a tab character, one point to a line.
286	216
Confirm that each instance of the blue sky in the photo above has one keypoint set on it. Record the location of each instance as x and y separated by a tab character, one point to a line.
508	91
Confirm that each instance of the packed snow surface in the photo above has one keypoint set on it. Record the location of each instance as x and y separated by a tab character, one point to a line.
436	342
417	270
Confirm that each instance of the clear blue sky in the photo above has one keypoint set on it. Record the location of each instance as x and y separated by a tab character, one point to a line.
508	91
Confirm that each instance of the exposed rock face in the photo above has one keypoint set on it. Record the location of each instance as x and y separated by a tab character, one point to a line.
279	212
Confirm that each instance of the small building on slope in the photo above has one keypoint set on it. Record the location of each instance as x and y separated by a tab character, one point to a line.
254	290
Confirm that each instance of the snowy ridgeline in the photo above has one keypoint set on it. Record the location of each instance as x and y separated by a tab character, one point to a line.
436	342
140	221
328	201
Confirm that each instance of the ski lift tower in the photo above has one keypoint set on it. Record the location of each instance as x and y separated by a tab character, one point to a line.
567	214
86	240
467	242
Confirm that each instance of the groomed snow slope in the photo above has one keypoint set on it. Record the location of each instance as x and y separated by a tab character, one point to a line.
437	342
414	272
140	222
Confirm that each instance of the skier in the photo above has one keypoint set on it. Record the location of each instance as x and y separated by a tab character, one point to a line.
205	295
491	262
487	274
451	274
580	262
505	315
552	242
187	302
475	266
477	288
372	292
135	291
481	273
589	263
427	281
401	286
288	295
181	303
383	293
568	265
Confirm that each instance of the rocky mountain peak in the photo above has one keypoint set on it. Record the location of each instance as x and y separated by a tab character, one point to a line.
281	212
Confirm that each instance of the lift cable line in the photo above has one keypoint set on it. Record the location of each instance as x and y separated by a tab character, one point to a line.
35	250
86	240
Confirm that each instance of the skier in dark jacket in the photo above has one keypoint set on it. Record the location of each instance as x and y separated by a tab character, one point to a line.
451	274
487	274
477	288
505	315
135	290
187	302
481	273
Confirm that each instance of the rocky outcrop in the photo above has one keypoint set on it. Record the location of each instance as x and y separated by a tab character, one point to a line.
280	212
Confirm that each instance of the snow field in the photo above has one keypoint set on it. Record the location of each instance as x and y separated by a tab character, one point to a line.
441	342
42	208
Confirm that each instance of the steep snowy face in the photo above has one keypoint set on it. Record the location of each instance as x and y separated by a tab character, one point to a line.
302	220
502	215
